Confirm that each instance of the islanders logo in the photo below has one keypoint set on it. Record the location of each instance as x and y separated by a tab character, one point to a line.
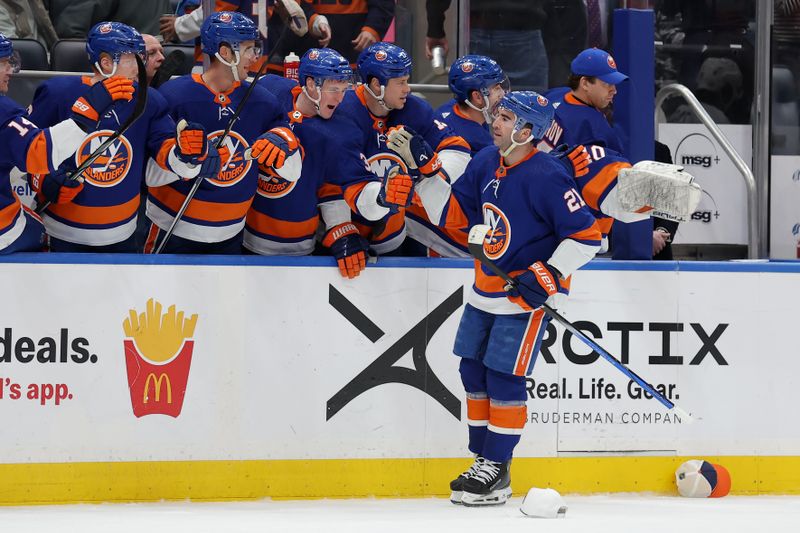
381	55
498	238
467	67
611	62
225	17
542	101
380	163
313	54
234	166
105	28
271	185
113	164
158	354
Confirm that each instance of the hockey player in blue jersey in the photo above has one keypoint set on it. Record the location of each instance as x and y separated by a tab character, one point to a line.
540	232
215	217
102	216
284	216
478	83
383	101
40	151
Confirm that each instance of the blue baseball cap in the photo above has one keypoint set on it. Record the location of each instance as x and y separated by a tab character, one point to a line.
597	63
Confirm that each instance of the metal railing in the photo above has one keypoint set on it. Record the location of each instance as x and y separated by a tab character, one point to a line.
676	89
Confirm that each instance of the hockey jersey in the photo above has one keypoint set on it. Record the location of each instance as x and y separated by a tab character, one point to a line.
478	136
218	209
388	234
578	123
284	216
281	89
600	179
104	212
531	206
24	146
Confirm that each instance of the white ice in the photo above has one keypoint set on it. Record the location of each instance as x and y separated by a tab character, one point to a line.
587	514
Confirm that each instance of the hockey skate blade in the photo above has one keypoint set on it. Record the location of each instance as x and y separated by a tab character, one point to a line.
455	497
496	497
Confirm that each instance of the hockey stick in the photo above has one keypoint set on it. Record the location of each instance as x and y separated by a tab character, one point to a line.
476	238
138	109
199	181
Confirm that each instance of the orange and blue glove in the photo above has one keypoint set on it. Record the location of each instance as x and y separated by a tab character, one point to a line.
534	286
272	148
89	108
348	247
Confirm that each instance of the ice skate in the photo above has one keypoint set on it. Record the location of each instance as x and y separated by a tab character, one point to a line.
489	485
457	485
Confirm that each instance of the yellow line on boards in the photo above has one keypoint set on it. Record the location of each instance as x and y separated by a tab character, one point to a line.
59	483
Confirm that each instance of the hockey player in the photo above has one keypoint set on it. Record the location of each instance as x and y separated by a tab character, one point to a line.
284	216
215	217
541	233
382	101
478	83
102	215
41	151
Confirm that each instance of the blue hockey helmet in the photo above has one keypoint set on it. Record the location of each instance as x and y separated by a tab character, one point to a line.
322	64
227	27
114	39
6	48
530	108
475	73
383	61
7	51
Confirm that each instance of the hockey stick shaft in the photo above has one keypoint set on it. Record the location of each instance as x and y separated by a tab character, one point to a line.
138	109
199	181
475	244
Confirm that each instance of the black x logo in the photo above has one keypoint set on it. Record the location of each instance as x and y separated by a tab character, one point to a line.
382	371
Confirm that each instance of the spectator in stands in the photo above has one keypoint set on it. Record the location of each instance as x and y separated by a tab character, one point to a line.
508	31
26	19
719	87
354	26
74	18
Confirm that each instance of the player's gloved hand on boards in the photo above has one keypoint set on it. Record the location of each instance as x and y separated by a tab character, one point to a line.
89	108
397	189
272	148
56	188
414	150
192	143
348	247
534	286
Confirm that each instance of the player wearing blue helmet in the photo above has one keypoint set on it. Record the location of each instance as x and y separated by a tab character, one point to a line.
101	215
40	151
539	230
285	216
477	83
214	219
382	102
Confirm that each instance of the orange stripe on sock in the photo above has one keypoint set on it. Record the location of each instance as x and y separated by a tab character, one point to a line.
508	416
478	409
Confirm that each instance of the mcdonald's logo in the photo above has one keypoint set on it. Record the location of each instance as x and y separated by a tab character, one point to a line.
158	357
157	382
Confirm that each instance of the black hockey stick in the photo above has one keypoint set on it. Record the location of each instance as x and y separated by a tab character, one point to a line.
199	181
477	235
138	109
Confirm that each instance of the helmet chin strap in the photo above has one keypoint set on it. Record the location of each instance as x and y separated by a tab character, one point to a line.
100	69
487	116
233	66
315	101
379	98
514	143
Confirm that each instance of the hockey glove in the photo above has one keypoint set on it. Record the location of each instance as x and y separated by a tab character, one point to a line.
414	150
56	188
397	189
192	144
349	248
535	286
89	108
272	148
578	158
211	163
